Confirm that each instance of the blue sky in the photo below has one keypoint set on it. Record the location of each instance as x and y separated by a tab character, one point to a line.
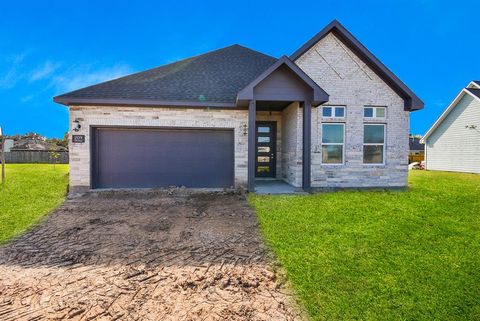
51	47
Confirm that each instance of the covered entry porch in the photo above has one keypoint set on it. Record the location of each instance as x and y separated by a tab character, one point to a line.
280	105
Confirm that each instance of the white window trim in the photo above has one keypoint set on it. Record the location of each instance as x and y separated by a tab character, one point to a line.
375	112
375	144
336	144
333	112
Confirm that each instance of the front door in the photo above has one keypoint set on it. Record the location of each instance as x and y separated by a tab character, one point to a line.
265	137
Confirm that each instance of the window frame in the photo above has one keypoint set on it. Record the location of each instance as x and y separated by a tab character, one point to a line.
335	144
375	144
374	110
334	108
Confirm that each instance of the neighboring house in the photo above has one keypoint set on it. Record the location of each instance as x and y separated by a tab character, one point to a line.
29	143
331	115
453	142
36	150
8	144
417	149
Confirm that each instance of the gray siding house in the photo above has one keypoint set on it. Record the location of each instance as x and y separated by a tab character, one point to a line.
453	142
330	115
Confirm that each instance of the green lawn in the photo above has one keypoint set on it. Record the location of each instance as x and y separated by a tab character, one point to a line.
29	192
381	255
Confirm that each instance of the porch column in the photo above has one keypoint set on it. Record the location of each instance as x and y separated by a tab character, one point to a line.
252	110
307	146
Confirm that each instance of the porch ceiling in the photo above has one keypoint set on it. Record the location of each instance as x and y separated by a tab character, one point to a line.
272	105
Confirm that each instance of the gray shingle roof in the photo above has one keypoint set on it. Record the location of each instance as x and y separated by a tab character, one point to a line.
216	76
474	91
477	82
415	144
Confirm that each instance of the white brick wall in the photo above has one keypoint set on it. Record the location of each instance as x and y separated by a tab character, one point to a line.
351	83
153	117
292	144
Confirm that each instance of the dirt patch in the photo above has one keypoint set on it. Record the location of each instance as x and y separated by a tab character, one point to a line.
143	256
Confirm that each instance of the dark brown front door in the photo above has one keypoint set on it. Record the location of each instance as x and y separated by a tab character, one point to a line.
265	137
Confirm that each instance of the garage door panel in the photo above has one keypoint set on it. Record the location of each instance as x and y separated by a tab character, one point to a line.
126	158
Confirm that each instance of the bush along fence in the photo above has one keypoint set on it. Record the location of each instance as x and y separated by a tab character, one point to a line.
37	156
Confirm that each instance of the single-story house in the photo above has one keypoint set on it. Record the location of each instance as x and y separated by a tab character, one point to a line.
417	149
330	115
453	142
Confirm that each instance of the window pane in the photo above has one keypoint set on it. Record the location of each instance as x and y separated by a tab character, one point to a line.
263	139
332	133
373	134
263	169
381	112
367	112
332	154
327	111
263	159
373	154
340	112
263	129
263	149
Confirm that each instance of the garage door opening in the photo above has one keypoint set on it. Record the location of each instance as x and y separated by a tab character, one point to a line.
162	157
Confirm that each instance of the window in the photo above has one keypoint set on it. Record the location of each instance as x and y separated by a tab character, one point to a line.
374	112
262	129
373	143
333	111
333	138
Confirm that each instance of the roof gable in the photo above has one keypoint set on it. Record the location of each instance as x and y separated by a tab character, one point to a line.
412	102
475	93
318	96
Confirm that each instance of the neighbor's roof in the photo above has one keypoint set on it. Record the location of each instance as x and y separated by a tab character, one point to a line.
212	79
412	102
415	144
474	92
35	144
477	82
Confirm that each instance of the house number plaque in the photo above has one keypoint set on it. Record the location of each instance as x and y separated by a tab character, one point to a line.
78	138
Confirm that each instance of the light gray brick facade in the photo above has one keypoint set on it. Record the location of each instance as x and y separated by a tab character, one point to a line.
351	83
336	69
153	117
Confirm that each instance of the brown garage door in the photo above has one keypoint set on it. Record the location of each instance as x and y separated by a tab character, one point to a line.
136	158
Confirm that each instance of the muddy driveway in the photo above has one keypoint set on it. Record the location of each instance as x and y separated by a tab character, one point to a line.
150	255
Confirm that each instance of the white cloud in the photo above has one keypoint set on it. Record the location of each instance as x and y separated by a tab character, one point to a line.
44	71
12	74
85	75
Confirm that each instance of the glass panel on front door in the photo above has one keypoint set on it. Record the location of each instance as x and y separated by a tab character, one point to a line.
265	149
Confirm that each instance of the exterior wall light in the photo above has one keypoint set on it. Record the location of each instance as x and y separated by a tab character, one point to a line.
245	129
76	125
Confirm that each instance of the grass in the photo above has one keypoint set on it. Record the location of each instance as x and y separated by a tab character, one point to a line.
381	255
29	193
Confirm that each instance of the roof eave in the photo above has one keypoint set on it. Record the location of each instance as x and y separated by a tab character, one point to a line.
139	102
447	111
412	101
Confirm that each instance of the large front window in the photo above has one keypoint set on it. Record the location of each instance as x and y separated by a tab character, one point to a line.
333	140
373	143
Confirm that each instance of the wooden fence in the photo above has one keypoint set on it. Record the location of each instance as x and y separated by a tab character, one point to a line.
416	158
36	156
